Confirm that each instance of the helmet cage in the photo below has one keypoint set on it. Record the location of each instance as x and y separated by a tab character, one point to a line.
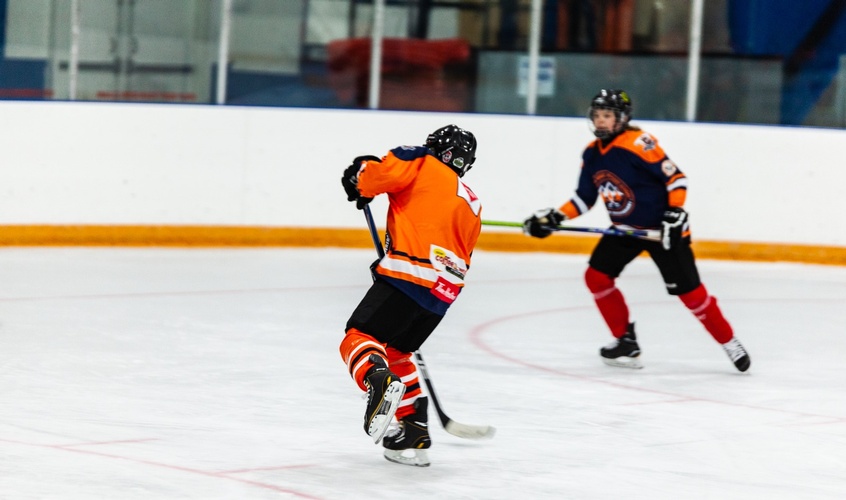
617	101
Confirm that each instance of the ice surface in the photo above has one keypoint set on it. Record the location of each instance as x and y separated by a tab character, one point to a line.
215	373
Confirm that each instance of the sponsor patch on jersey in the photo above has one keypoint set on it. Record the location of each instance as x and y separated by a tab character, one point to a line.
669	168
618	197
646	142
447	261
445	290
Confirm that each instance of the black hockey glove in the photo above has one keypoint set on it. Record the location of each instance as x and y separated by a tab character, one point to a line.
543	222
350	181
673	224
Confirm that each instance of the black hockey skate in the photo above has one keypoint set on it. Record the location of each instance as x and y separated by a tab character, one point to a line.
384	393
623	352
737	354
407	442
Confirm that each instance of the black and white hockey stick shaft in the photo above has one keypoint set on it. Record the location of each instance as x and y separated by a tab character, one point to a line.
374	234
451	426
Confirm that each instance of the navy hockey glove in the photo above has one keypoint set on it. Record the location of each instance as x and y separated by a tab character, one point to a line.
673	224
543	222
350	181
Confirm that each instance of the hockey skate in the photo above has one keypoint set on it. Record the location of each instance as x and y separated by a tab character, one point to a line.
407	442
737	354
623	352
384	393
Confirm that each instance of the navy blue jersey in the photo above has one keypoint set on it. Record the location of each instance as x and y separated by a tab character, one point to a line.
633	176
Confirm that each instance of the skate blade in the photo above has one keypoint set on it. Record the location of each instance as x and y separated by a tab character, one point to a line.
416	458
390	402
624	362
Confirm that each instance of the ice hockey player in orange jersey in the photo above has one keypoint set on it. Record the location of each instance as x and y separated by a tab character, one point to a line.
641	188
433	223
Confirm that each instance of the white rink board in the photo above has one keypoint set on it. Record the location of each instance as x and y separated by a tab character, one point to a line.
101	163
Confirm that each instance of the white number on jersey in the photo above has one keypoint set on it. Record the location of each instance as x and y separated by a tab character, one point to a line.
470	197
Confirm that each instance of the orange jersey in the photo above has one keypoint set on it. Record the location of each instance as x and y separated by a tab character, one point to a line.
434	221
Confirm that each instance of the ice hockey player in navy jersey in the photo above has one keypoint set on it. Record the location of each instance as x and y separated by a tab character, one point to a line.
641	189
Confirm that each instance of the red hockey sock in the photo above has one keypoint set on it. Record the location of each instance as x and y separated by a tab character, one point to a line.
400	365
706	310
609	300
356	349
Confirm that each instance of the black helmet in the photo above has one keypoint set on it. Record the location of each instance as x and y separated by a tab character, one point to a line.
617	101
454	146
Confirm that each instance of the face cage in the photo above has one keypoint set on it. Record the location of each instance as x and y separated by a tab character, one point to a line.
621	122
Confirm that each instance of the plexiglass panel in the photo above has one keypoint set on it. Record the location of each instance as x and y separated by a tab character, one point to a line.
437	55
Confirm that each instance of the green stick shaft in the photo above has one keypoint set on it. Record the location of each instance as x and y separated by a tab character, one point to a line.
652	235
501	223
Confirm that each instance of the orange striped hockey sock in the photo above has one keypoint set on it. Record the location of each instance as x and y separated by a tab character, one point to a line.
356	349
401	365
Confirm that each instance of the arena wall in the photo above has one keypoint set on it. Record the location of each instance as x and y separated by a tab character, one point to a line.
140	174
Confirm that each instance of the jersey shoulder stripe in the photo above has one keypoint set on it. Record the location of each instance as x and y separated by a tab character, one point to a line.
409	153
641	144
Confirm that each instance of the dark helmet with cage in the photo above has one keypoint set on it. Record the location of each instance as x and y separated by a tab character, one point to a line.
615	100
454	146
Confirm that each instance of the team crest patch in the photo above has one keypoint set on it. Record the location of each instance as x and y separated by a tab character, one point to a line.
618	196
446	157
646	142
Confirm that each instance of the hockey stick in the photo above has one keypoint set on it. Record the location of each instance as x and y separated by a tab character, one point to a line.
377	242
451	426
642	234
465	431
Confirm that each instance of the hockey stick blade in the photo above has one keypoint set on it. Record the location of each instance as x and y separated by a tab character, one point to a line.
470	431
457	429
